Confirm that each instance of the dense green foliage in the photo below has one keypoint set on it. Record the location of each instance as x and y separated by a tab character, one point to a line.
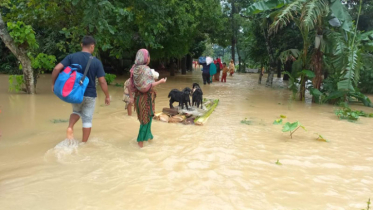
328	45
110	78
15	83
22	34
168	28
324	46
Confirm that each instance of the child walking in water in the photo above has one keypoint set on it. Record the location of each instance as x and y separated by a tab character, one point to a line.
225	72
142	85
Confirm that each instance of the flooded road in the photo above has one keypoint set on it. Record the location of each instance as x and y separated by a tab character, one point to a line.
221	165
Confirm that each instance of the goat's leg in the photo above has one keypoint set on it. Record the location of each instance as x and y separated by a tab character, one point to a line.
171	102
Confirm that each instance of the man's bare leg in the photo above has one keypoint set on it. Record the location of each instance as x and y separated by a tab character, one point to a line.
70	130
86	133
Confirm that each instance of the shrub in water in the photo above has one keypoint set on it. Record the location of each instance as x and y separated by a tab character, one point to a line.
110	78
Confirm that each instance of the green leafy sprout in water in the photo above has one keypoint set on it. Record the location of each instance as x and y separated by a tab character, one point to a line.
278	162
277	122
347	113
289	127
292	128
59	121
368	205
321	138
246	121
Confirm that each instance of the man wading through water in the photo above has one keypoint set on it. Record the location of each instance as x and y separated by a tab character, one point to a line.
86	108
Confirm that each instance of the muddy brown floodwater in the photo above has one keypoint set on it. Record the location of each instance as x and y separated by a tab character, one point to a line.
221	165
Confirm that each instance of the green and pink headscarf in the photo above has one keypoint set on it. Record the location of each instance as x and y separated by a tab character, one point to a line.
141	75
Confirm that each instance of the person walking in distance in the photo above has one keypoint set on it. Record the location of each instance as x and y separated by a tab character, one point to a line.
205	73
225	72
86	108
231	68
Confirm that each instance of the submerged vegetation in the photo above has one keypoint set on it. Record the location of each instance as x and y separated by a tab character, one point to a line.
15	83
292	128
110	78
278	162
246	121
347	113
321	138
59	121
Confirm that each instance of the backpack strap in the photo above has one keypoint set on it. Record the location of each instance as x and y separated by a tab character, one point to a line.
86	70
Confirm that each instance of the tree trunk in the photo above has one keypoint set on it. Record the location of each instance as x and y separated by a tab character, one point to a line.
233	41
173	67
287	67
272	61
303	78
260	74
302	92
317	68
189	62
239	64
271	74
326	74
183	65
279	68
21	55
178	65
233	49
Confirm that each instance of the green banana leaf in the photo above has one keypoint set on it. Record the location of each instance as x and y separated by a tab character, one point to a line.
203	119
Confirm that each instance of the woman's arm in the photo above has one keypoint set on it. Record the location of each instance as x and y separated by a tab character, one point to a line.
159	82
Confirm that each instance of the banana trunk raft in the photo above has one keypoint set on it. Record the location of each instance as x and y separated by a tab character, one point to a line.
196	116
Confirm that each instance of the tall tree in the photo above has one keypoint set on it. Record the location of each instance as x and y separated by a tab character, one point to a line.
233	10
21	53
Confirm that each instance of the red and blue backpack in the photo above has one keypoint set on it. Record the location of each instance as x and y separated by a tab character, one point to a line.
71	84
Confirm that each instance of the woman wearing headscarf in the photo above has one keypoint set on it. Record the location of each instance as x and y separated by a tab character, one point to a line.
212	67
142	86
219	66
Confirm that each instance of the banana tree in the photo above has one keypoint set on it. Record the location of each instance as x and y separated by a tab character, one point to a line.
309	16
349	54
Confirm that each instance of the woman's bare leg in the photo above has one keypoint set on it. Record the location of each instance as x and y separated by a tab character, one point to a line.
129	109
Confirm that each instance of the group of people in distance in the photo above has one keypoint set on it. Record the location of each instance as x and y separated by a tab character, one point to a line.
209	75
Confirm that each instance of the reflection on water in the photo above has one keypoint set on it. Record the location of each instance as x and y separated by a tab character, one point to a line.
221	165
